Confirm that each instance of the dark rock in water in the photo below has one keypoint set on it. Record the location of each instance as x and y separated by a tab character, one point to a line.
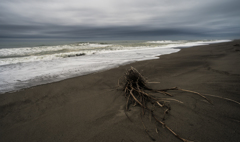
74	55
81	54
71	55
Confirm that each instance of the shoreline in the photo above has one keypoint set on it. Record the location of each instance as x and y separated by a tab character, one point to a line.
24	75
89	108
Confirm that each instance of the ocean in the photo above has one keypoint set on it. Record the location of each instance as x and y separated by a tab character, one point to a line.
27	64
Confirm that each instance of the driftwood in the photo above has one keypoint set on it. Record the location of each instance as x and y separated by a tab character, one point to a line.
136	92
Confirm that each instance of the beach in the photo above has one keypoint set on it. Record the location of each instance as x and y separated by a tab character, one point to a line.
91	107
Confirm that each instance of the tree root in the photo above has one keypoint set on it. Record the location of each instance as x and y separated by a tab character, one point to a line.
135	87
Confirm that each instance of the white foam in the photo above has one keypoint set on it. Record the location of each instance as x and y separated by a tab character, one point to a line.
165	41
22	75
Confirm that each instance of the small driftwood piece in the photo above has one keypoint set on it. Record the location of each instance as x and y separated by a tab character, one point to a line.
136	92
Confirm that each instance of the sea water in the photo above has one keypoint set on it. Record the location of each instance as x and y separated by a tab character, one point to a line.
23	67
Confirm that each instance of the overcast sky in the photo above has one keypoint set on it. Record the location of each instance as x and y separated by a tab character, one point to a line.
120	19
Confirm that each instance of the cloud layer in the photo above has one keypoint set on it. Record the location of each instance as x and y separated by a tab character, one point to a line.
114	18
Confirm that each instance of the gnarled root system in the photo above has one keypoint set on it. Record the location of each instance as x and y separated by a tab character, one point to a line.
136	92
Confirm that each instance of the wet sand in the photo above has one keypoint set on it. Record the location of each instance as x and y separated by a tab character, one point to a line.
90	108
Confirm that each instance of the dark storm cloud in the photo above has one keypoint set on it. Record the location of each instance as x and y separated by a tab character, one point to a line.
114	18
89	32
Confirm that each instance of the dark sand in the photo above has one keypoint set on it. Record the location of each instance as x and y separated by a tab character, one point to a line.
89	108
